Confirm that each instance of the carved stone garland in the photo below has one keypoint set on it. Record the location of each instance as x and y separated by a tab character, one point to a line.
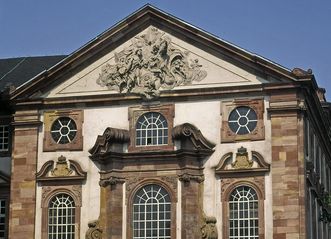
152	62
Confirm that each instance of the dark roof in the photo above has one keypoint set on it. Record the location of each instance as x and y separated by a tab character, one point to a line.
17	71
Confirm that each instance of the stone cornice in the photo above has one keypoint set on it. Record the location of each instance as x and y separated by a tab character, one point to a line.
191	137
105	142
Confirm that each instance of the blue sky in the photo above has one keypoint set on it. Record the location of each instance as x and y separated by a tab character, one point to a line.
294	33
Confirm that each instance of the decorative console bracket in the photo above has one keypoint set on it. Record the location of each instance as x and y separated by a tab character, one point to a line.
94	231
209	229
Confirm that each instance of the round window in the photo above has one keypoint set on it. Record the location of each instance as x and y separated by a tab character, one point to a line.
63	130
242	120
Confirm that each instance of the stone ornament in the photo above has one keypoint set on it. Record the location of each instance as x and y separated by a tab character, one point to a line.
150	64
61	168
94	231
209	229
242	160
186	178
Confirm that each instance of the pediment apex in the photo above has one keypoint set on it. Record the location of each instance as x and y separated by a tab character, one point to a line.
145	18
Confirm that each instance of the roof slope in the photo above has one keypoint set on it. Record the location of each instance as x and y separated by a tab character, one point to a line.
17	71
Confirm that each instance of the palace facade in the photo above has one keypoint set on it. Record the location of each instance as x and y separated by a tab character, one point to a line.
157	129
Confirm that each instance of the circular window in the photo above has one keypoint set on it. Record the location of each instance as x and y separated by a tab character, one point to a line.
63	130
242	120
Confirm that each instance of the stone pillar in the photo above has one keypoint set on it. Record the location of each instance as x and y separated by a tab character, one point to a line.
23	175
111	211
191	206
287	171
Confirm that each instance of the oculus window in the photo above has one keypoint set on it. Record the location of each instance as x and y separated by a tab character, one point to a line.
152	213
242	120
151	129
243	211
63	130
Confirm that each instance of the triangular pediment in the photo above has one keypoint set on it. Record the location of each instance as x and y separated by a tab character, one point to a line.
150	53
151	62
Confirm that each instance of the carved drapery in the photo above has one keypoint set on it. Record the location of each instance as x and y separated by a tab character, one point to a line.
150	64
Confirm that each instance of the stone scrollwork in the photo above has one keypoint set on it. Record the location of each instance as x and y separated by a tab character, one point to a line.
94	231
186	178
111	181
209	229
152	62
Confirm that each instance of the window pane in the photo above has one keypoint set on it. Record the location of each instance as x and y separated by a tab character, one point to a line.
151	129
61	217
4	138
243	210
151	216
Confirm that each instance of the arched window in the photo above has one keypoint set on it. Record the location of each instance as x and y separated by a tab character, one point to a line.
61	217
151	129
152	213
243	212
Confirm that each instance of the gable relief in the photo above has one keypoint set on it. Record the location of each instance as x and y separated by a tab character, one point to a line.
242	162
151	63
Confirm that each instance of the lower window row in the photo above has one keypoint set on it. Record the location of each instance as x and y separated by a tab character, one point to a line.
151	214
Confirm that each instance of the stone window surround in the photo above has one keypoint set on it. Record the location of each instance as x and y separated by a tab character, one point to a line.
76	143
167	186
227	187
168	111
227	135
48	192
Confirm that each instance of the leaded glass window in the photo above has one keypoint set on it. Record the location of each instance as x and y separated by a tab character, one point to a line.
3	225
152	213
243	211
151	129
61	217
242	120
63	130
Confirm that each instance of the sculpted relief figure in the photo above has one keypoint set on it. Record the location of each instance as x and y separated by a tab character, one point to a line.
149	64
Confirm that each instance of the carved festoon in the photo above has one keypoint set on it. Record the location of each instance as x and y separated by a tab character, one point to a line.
209	229
188	132
151	63
108	139
242	160
94	231
61	167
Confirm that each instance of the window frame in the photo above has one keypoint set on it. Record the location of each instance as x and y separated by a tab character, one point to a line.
50	117
228	185
227	135
5	121
173	202
168	111
6	223
48	193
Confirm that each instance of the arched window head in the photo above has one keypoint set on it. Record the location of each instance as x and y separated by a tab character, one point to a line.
151	129
152	213
61	217
243	212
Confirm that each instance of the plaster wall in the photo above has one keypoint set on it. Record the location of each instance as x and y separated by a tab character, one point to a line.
205	115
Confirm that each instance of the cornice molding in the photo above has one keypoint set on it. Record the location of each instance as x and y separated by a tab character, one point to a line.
105	143
191	137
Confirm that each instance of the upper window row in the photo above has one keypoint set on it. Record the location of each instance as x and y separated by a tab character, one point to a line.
152	127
